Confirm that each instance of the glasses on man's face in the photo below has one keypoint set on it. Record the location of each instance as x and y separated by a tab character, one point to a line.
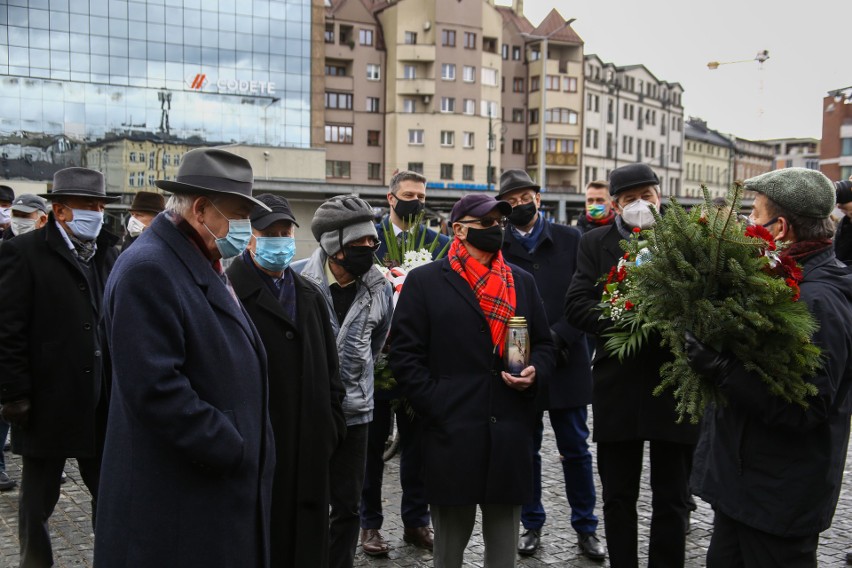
486	222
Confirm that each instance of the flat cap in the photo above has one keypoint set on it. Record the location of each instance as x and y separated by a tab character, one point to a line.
798	190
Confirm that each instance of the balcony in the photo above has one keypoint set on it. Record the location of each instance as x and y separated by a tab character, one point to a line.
554	159
415	52
415	87
339	83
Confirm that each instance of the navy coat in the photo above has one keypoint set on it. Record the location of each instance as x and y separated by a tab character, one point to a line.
477	432
187	468
552	263
622	395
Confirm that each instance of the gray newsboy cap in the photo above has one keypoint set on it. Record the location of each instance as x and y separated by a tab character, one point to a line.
342	218
798	190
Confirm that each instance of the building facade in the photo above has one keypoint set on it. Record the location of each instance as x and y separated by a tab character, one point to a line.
794	153
751	158
835	156
631	116
708	160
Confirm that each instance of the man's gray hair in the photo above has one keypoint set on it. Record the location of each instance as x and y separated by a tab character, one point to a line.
405	175
805	228
181	203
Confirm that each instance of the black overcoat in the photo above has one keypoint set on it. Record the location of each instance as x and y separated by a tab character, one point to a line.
51	345
478	432
622	400
552	264
305	406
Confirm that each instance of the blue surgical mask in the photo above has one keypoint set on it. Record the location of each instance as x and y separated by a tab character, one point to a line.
86	225
274	253
237	239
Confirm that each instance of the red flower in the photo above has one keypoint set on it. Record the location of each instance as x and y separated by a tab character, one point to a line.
791	268
760	232
622	273
702	220
611	276
628	305
794	286
637	230
626	256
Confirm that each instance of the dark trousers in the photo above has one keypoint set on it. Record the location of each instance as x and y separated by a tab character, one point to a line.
572	433
620	469
40	481
4	433
414	509
735	545
346	478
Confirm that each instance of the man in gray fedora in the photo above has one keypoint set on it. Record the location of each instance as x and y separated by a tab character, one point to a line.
52	364
188	460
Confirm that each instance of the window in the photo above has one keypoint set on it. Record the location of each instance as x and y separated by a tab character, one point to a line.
446	171
489	77
373	137
467	172
407	105
535	83
374	170
593	102
150	180
409	72
448	71
551	82
518	85
336	169
489	108
374	72
346	36
373	104
560	145
415	136
365	37
335	134
846	146
505	52
469	74
517	115
410	38
334	70
416	167
569	84
561	116
534	116
517	146
338	100
448	138
448	38
467	139
470	106
132	156
489	44
132	179
448	104
516	53
469	40
329	33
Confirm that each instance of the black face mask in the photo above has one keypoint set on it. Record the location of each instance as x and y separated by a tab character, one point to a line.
486	240
408	210
356	260
522	215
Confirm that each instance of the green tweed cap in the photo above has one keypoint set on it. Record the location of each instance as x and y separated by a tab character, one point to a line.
798	190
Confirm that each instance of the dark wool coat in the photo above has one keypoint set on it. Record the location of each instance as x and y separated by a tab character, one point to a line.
552	264
305	405
478	432
51	345
843	241
772	465
187	468
622	400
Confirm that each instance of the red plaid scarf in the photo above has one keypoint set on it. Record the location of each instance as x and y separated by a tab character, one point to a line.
494	288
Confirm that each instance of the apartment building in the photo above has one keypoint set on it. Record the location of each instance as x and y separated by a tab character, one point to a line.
632	116
835	156
794	153
751	158
708	160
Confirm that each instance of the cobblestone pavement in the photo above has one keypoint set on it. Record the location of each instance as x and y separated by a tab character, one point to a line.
73	539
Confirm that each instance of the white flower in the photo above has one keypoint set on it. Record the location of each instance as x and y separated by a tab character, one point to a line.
415	258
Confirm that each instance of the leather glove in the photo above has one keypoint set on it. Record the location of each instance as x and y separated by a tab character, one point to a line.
705	360
562	352
16	413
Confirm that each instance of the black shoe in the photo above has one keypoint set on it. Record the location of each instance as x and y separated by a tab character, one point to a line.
590	546
6	484
529	542
849	558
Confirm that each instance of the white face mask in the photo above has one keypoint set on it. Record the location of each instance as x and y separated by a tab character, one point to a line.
638	214
21	225
135	226
5	215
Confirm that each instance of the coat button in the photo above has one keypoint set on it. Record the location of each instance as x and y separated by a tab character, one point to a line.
88	370
494	420
289	335
87	326
82	287
535	266
98	353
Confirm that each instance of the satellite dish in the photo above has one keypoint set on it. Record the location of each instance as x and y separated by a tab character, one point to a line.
427	25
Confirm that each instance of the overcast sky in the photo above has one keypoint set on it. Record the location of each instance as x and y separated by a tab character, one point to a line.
808	45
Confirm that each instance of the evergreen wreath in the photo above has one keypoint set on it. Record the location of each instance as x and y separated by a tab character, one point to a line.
707	271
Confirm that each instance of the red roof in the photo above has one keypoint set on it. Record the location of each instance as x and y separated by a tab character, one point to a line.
553	22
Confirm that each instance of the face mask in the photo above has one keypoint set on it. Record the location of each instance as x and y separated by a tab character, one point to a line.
274	253
408	209
86	225
522	215
486	240
596	211
357	260
135	226
21	225
5	215
638	214
237	239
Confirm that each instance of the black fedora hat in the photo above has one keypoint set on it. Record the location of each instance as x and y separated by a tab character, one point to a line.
78	182
510	180
629	176
148	201
213	171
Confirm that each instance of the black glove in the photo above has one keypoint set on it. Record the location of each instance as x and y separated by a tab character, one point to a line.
16	413
705	360
563	354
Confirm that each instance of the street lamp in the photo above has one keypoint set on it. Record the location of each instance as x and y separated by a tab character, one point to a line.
542	174
491	139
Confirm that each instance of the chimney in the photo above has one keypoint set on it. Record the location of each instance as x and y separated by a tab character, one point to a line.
518	7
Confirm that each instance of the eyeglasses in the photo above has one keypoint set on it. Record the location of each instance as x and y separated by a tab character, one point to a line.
486	222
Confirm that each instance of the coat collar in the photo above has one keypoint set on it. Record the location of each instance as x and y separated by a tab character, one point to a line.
57	242
511	243
248	284
461	286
